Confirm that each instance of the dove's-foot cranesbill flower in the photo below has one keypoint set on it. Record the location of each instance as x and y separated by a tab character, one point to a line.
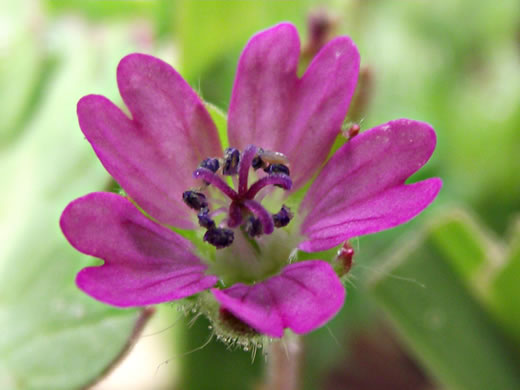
219	227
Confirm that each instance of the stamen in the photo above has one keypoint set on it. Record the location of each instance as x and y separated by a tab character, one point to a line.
195	200
245	163
262	214
277	168
205	220
270	157
253	227
283	217
279	180
213	178
210	163
231	160
219	237
257	163
254	220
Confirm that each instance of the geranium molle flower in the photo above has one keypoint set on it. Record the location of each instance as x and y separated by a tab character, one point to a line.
239	203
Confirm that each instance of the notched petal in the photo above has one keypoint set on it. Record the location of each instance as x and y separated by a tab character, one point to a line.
153	154
362	188
144	263
387	210
277	110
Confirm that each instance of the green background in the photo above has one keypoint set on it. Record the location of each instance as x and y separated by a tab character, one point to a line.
431	304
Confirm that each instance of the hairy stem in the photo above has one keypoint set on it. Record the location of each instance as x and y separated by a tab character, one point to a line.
284	364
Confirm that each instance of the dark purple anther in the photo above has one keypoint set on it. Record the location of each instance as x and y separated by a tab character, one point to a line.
277	168
253	227
244	210
257	163
231	160
261	213
210	163
205	220
283	217
219	237
195	200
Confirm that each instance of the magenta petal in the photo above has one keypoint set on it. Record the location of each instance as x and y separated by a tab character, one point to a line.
361	190
145	263
274	109
389	209
303	297
154	155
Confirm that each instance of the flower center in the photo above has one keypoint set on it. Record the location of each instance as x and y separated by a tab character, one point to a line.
244	210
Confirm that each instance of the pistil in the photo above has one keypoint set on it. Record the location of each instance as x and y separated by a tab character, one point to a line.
244	211
247	159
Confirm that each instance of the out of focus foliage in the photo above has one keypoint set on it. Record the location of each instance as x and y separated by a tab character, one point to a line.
448	282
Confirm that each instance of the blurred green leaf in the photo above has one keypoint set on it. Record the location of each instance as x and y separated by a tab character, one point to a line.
21	74
437	314
463	244
490	272
505	289
212	33
455	65
104	10
209	29
55	336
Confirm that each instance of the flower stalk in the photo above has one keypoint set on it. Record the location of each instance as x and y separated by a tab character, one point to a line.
284	364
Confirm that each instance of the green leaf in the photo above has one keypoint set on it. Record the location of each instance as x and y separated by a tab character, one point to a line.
104	10
505	289
211	35
56	337
17	93
436	312
204	37
464	244
479	259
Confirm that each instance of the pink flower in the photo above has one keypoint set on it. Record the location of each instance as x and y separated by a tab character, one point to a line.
166	156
